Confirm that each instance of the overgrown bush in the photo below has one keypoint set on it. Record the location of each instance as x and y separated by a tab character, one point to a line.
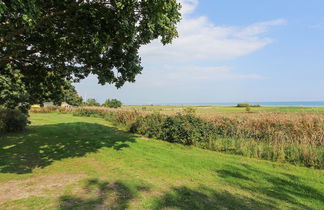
242	105
185	129
150	125
12	120
190	110
46	109
125	117
112	103
91	102
248	105
87	112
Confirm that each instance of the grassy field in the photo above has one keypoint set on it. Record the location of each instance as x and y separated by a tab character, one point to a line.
67	162
229	109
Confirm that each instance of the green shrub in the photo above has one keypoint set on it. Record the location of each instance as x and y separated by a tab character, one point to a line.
150	125
2	126
112	103
12	120
248	105
87	112
190	110
242	105
91	102
46	109
185	129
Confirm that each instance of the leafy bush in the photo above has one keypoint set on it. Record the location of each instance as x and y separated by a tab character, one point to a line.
2	126
242	105
112	103
87	112
91	102
248	105
46	109
150	125
124	117
185	129
12	120
189	110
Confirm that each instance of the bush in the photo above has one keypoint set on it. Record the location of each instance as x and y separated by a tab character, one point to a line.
124	117
150	125
12	120
112	103
87	112
185	129
248	105
91	102
190	110
242	105
46	109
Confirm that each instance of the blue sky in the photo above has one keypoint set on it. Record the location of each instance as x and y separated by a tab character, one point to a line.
231	51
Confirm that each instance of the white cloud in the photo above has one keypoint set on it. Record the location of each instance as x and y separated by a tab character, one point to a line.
256	29
199	39
188	6
317	26
191	74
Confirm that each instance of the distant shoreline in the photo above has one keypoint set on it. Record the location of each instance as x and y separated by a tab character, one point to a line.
266	104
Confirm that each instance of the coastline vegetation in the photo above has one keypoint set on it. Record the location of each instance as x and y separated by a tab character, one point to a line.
296	138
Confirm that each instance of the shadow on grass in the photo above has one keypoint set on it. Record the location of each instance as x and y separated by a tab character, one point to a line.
206	198
279	187
101	195
41	145
264	190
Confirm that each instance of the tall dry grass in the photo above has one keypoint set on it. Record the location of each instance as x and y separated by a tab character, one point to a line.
276	127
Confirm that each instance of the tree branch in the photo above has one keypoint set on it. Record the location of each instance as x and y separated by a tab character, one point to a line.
24	29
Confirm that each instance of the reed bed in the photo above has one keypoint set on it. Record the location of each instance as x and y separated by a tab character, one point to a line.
276	127
287	137
297	138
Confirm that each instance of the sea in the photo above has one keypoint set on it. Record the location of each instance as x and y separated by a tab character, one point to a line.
278	104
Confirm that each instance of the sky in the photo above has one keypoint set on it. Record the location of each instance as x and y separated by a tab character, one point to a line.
231	51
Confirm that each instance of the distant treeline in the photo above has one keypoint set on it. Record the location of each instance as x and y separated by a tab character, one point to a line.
248	105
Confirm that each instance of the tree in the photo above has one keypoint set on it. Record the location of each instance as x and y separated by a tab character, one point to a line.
44	43
91	102
112	103
12	91
71	96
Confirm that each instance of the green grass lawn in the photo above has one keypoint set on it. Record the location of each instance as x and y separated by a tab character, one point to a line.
67	162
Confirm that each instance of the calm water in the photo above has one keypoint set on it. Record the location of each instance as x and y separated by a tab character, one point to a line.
280	103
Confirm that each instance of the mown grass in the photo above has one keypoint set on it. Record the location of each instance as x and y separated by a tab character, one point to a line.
66	162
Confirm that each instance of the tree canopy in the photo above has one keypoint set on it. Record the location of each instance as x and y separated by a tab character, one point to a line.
112	103
71	96
44	43
91	102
